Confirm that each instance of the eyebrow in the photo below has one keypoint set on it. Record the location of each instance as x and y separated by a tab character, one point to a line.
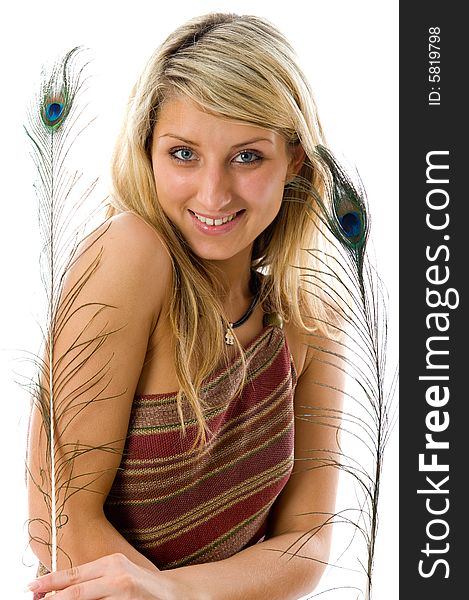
190	142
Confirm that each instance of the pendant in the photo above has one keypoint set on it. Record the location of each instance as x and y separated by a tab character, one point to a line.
229	338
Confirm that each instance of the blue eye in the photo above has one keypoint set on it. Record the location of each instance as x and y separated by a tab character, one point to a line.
184	154
247	157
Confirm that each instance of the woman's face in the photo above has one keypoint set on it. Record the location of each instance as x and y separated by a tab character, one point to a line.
219	181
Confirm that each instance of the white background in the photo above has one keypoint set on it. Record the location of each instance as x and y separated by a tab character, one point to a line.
349	51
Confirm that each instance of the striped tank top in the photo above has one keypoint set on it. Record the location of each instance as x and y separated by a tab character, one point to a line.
179	506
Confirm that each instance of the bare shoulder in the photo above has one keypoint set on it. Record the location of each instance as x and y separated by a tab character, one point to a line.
313	344
130	239
302	342
129	262
131	225
297	345
129	243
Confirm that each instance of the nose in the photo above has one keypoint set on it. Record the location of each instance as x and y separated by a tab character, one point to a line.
214	192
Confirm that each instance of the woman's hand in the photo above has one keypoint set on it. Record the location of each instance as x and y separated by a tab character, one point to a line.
112	577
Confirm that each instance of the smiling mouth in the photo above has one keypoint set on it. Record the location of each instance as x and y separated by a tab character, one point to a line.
215	222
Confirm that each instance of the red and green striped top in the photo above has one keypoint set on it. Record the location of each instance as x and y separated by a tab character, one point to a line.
179	506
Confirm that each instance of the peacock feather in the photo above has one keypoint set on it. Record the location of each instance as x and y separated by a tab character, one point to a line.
55	121
343	277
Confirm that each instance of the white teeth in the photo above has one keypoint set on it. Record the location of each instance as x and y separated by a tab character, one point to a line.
215	222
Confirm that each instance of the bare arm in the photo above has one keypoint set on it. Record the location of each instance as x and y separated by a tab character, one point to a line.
98	358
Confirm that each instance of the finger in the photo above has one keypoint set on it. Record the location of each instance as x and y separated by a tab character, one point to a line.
65	578
93	589
120	587
59	580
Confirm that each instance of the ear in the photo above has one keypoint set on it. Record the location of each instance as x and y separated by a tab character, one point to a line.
297	158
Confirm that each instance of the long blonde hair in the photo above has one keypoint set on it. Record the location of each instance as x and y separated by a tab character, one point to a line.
241	68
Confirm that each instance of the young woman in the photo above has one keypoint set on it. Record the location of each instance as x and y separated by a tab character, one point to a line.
188	467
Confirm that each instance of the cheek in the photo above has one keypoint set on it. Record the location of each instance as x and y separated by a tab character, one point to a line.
265	189
171	186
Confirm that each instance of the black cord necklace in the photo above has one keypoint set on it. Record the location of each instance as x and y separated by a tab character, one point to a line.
255	287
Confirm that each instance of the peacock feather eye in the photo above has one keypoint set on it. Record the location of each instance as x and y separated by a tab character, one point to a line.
351	224
54	110
351	218
350	213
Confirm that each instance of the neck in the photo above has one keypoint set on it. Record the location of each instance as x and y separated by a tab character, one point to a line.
234	277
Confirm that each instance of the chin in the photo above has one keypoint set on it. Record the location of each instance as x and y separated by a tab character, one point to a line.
213	255
215	252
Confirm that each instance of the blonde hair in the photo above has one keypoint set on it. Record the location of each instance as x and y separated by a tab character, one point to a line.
241	68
